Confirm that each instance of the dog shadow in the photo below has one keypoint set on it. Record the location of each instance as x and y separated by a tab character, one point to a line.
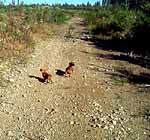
60	72
38	78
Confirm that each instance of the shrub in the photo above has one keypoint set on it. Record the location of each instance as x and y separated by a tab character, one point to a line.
140	34
123	20
110	22
57	16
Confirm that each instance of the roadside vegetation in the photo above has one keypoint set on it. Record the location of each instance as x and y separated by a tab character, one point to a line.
126	25
18	24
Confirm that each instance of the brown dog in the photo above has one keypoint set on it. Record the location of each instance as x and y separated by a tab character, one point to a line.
46	76
69	69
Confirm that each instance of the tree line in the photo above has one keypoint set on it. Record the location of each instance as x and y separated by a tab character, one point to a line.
131	4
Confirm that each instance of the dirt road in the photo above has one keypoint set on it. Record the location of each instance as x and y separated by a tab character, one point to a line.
87	106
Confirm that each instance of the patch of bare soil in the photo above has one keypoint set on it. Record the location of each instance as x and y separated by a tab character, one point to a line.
100	101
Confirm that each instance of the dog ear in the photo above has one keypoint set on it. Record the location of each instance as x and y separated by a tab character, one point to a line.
71	64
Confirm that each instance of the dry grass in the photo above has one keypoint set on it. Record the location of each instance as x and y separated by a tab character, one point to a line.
44	31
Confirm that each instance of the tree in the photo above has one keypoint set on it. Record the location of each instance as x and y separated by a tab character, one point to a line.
88	4
13	2
133	4
97	4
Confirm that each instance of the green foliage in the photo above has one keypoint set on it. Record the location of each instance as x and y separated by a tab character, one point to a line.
57	16
28	15
118	80
108	22
141	33
90	18
123	20
122	23
45	15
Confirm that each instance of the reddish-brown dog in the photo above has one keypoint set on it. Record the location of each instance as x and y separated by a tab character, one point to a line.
69	69
46	76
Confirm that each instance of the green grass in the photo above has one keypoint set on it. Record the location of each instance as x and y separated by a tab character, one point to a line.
117	80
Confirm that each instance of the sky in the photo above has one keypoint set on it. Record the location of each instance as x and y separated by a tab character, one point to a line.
54	1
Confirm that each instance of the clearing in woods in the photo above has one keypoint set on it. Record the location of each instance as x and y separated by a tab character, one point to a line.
98	102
